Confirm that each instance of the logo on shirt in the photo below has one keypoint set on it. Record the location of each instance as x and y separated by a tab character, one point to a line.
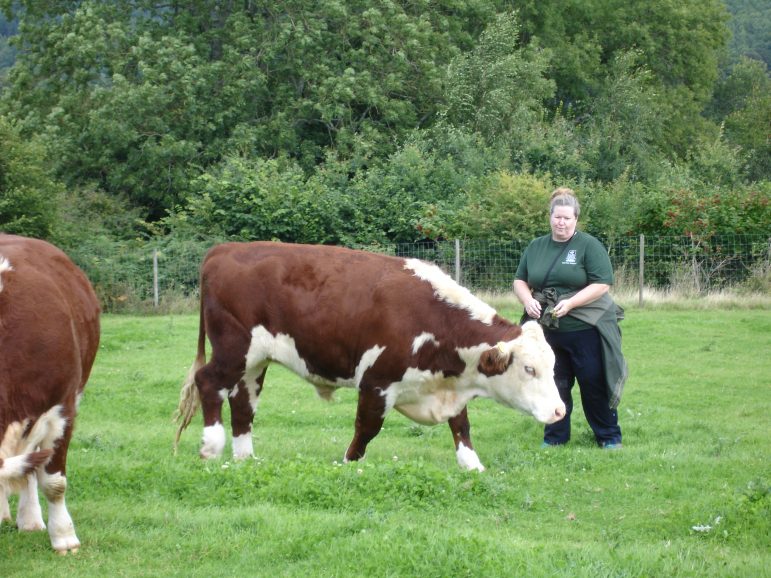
571	258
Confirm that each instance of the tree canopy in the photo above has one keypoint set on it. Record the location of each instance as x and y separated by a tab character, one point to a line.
376	120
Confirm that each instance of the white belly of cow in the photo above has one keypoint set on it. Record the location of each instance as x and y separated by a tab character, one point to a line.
281	348
425	397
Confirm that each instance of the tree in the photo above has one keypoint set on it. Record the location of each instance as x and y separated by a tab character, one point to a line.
678	41
743	102
141	97
7	53
621	125
751	30
497	89
29	196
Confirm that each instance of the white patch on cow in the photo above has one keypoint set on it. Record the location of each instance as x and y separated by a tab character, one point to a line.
12	437
213	441
421	340
367	360
253	387
448	290
44	434
468	459
426	397
223	393
242	446
280	348
29	515
5	265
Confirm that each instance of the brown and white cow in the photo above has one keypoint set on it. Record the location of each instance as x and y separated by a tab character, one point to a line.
49	334
400	331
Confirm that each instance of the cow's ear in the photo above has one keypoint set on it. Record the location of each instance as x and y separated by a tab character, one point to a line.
494	361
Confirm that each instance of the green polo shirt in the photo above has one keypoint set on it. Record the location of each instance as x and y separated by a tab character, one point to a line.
582	261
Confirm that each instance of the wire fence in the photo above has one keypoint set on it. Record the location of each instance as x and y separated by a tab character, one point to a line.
141	275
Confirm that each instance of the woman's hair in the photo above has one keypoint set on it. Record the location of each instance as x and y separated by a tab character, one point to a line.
564	197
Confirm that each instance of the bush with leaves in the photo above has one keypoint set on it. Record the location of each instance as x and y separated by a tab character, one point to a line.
503	206
254	199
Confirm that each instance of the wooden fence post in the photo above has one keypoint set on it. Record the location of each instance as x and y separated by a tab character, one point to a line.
642	267
155	278
457	261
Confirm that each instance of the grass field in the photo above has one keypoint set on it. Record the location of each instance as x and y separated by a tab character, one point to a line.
688	495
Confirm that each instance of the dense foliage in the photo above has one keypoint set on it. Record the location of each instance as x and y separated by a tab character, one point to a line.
379	121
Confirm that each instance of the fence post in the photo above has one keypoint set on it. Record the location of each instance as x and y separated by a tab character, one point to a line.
155	278
457	261
642	267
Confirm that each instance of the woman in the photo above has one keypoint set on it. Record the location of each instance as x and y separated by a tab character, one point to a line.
563	280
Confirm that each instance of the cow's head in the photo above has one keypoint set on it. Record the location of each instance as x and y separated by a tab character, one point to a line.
520	374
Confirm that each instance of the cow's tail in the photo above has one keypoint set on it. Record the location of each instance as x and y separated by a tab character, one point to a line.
19	455
189	400
15	468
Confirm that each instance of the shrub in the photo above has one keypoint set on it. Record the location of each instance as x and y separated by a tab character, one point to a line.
505	206
249	199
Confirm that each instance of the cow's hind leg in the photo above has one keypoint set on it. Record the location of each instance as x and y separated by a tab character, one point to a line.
5	510
243	406
370	415
29	516
53	483
214	381
230	342
461	435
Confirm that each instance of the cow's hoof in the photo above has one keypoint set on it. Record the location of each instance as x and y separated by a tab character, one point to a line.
208	454
64	546
32	526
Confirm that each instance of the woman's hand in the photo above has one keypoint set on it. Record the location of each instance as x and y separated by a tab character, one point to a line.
586	295
562	308
525	296
533	308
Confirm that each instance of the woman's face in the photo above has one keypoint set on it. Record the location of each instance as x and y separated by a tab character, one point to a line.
563	223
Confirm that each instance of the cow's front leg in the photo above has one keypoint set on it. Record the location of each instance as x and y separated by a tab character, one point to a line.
243	406
464	450
370	415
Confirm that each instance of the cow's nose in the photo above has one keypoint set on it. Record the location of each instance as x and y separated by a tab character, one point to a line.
559	413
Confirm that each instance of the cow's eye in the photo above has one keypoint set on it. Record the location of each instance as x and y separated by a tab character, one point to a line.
530	370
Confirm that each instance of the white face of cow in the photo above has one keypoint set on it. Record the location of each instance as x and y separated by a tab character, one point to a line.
527	382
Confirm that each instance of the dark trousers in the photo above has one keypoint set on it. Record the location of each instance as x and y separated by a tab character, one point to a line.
579	357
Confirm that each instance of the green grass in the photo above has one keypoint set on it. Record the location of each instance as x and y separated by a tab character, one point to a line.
696	453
